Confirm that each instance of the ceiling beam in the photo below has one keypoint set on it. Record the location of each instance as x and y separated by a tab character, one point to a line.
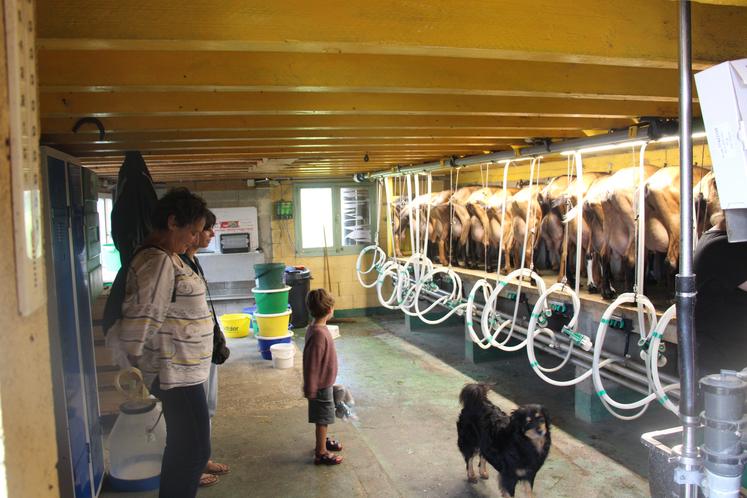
194	136
126	71
624	33
309	123
207	104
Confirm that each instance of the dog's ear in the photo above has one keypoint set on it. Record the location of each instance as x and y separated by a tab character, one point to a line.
546	416
518	419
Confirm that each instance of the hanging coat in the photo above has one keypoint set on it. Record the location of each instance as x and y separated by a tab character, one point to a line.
134	202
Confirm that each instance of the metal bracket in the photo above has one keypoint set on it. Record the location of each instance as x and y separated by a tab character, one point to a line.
682	476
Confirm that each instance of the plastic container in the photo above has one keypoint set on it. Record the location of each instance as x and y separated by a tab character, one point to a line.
282	355
299	280
271	301
265	343
273	325
269	275
136	446
235	325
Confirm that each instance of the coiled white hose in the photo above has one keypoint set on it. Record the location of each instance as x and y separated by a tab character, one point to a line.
377	262
653	352
489	318
452	301
570	329
648	308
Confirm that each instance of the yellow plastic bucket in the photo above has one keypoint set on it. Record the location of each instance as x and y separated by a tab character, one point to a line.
273	325
235	324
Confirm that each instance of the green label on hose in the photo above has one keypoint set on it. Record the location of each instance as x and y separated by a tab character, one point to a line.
657	335
663	399
469	324
534	364
536	315
502	283
605	321
601	393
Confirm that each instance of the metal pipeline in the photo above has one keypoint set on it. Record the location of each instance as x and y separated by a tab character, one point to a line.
612	138
688	470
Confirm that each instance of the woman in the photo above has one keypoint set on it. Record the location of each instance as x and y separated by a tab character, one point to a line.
166	330
220	351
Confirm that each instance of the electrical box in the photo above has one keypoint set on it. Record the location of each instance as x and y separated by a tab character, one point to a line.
722	91
236	230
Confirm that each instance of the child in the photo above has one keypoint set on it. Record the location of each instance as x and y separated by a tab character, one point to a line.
319	373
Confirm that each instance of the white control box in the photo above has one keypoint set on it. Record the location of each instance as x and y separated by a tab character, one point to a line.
722	91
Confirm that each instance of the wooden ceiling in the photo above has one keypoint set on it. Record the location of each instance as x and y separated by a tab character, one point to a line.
240	89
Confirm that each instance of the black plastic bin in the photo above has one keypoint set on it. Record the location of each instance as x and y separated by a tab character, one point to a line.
300	283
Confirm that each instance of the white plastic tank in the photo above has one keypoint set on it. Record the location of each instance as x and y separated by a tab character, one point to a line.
136	446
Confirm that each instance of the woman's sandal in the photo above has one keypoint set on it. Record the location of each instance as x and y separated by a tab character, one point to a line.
333	445
327	459
217	469
207	480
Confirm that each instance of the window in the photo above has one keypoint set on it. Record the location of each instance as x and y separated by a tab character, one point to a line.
338	217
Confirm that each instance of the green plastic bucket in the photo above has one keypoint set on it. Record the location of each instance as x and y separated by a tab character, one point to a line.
269	275
271	301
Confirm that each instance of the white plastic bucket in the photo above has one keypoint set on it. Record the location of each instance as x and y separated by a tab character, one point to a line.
282	355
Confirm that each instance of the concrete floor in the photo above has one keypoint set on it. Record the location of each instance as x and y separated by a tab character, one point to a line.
406	385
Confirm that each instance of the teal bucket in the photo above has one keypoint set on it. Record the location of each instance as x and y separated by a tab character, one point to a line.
269	275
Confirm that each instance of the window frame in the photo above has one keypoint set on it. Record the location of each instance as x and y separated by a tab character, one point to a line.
336	249
106	228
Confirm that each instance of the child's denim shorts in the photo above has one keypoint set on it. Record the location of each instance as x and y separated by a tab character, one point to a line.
322	409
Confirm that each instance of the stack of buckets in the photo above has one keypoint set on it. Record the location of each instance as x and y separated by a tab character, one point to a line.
273	314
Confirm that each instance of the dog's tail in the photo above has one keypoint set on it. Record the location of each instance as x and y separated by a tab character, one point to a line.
473	395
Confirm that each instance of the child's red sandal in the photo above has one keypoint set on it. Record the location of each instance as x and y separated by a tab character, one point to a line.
327	459
333	445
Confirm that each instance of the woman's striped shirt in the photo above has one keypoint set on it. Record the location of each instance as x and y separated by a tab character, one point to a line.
166	320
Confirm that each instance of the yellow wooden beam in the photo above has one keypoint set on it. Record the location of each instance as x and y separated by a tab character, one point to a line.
191	136
121	71
310	143
234	155
207	104
281	151
623	33
332	122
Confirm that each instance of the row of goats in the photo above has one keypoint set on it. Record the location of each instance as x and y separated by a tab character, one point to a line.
485	227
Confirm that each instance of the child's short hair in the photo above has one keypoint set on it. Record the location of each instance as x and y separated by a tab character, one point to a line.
319	302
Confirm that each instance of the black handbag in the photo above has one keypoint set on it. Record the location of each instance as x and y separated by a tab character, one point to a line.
220	349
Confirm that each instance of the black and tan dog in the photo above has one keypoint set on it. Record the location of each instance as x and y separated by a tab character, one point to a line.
516	445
